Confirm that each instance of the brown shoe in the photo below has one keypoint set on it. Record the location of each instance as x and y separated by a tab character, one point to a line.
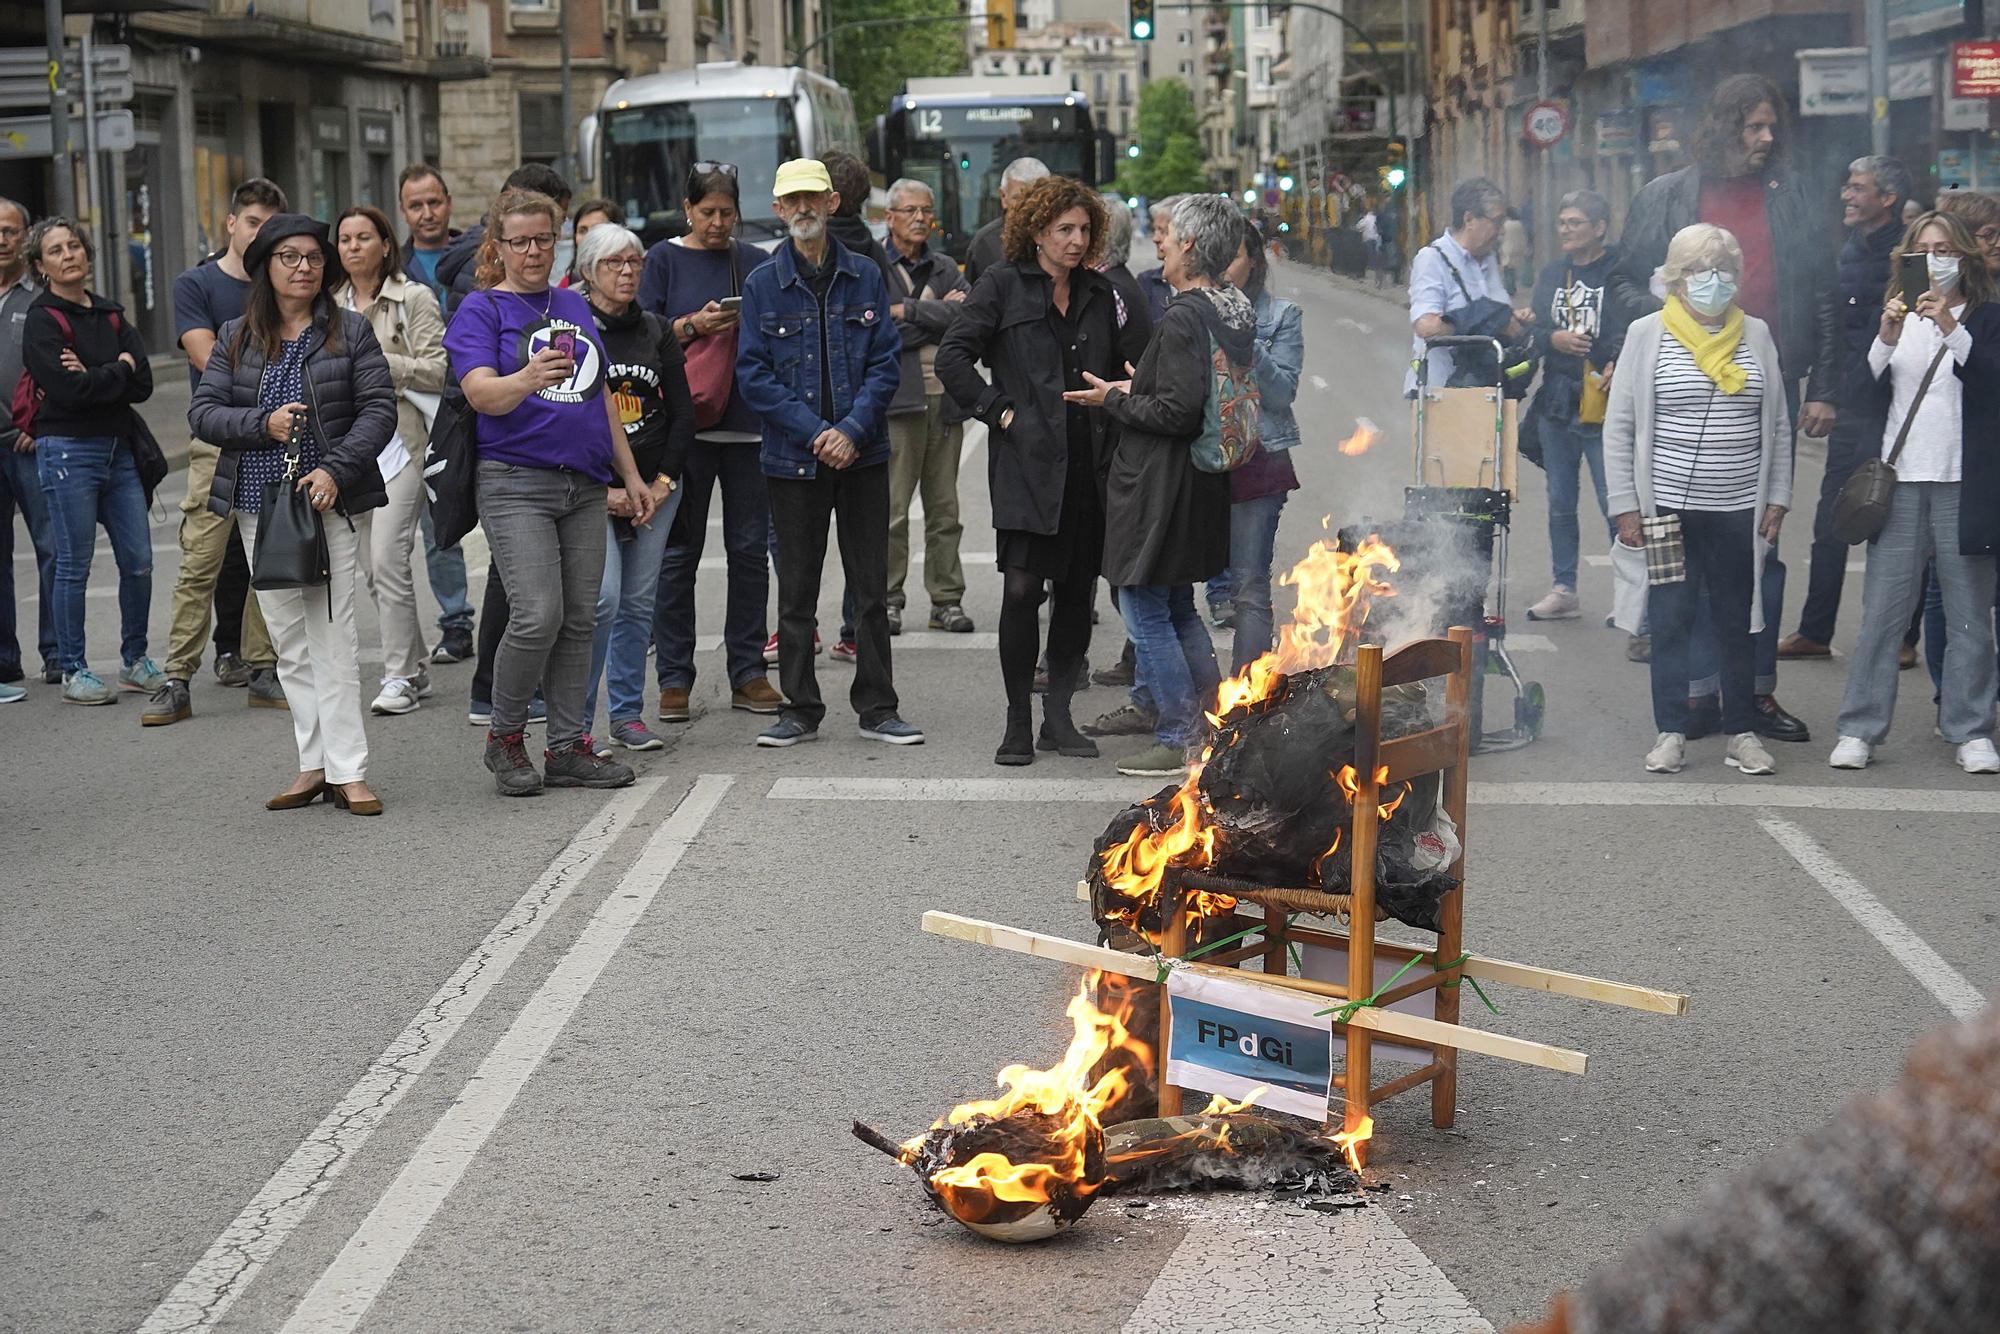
674	706
1798	646
1906	657
757	695
297	801
369	805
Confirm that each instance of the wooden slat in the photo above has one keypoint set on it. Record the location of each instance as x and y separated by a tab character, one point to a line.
1422	1074
1420	660
1424	752
1576	984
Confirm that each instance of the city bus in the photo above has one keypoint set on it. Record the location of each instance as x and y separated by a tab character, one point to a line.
958	143
649	131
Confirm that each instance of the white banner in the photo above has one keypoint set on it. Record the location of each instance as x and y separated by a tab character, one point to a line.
1235	1038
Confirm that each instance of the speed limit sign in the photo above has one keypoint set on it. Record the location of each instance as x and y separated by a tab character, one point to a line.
1545	124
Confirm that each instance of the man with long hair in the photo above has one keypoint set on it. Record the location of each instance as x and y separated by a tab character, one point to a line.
1740	181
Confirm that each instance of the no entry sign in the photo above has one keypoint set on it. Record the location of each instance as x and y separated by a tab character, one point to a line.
1545	124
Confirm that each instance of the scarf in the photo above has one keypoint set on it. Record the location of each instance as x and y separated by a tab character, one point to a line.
1714	353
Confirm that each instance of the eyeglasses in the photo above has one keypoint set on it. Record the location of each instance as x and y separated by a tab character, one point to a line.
708	168
625	265
292	259
920	210
521	245
1985	236
1571	224
1943	248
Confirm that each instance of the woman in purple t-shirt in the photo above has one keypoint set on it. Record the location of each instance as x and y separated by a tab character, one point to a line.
532	367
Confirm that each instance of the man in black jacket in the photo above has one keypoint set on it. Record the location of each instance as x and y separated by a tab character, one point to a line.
1739	182
1871	208
985	251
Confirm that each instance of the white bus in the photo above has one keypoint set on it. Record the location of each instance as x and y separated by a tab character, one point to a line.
649	131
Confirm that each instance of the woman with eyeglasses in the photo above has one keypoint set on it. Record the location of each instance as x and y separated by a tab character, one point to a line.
532	365
298	394
695	282
1937	366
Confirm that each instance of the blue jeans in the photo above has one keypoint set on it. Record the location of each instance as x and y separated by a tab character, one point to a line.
448	586
21	488
1220	591
1566	447
746	526
1176	656
625	614
88	481
1253	539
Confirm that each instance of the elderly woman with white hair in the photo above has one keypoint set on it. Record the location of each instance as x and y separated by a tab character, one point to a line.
646	377
1698	467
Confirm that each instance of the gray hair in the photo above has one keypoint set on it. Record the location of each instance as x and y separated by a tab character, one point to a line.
1024	171
1215	226
1477	195
908	186
1591	204
1117	232
18	207
1891	177
38	235
602	242
1163	211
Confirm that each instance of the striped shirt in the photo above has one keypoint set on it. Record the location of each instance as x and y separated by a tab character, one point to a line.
1708	446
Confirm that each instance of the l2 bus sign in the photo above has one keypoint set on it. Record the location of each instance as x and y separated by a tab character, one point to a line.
1238	1038
1545	124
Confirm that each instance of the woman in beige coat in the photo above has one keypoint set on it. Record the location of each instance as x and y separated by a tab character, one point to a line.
406	320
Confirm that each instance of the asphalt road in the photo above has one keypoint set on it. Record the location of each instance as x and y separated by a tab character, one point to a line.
485	1065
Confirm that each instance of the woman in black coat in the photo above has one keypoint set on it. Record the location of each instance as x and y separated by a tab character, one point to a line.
1043	323
298	396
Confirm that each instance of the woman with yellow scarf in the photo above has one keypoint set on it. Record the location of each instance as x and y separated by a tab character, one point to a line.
1698	467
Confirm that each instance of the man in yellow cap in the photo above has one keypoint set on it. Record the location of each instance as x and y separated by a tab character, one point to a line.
818	359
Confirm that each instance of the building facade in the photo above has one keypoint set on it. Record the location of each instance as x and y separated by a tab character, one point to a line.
1095	56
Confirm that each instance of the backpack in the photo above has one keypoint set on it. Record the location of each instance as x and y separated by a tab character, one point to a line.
1231	418
29	396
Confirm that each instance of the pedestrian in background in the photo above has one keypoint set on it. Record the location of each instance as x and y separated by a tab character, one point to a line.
926	430
1153	282
1044	323
299	396
647	381
90	365
410	331
1697	444
590	213
1456	286
20	488
1135	320
1167	523
987	246
1938	366
550	442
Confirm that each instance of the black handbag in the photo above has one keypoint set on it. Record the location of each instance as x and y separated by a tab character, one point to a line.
1862	507
451	469
291	538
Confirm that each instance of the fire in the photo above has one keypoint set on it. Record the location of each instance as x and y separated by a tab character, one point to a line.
1219	1105
1350	1141
1366	433
1137	868
1350	784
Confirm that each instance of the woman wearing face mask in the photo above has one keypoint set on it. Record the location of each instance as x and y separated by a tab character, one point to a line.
1696	435
1936	367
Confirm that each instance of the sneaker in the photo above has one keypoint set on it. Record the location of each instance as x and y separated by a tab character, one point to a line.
231	670
1747	755
1850	752
1222	617
674	707
757	695
894	731
1639	648
143	676
1668	755
84	687
266	691
422	684
1979	757
1119	673
601	749
844	651
895	619
169	705
786	732
1558	604
1156	761
951	618
513	772
771	649
456	646
11	693
51	675
1126	720
635	735
577	765
479	713
399	695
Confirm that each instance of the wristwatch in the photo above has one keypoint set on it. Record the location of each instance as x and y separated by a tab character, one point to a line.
687	330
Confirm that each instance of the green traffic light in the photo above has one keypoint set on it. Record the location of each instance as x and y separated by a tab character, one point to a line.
1396	178
1131	150
1142	29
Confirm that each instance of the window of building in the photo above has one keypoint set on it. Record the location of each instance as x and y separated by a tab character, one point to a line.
541	127
1124	87
531	4
1263	71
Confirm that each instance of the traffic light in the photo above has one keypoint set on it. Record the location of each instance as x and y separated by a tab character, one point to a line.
1394	173
1140	20
999	25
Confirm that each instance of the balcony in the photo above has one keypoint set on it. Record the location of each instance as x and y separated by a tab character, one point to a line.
348	31
461	39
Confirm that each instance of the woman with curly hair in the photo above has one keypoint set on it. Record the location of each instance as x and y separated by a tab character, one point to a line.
1041	322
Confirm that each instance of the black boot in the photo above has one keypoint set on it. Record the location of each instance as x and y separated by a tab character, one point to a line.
1059	729
1018	746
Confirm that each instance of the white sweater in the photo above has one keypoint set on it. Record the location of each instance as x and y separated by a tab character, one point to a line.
1936	444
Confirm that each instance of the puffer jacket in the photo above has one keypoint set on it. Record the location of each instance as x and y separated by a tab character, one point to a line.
410	328
350	392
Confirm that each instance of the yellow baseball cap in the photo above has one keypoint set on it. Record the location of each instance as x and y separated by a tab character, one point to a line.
802	176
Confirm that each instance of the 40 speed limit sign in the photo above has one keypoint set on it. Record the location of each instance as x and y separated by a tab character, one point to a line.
1545	124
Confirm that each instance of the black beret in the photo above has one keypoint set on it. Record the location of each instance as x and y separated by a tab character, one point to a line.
277	228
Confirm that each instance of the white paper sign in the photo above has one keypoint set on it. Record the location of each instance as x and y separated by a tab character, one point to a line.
1239	1038
1324	963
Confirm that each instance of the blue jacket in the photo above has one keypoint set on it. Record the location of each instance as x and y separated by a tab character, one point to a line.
779	352
1858	297
1281	355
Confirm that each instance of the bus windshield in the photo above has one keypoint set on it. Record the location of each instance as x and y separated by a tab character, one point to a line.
960	151
649	151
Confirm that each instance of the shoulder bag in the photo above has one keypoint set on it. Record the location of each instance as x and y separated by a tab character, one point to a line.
711	363
1862	507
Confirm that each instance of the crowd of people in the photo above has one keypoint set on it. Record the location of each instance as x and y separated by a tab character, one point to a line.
1678	364
609	389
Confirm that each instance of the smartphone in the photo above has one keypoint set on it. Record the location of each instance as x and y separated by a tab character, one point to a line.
731	303
564	341
1914	272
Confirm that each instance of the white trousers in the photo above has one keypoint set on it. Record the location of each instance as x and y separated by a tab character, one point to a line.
385	565
318	654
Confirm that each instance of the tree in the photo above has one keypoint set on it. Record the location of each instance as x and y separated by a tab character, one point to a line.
873	62
1169	161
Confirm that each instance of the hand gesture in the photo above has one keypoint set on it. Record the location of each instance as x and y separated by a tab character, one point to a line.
320	489
1934	306
834	449
1570	343
279	424
71	361
1892	321
1094	396
713	319
547	369
616	503
639	498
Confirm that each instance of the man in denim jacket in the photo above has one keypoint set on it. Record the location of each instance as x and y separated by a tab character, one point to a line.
818	361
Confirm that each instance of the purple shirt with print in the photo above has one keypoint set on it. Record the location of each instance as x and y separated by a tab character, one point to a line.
563	426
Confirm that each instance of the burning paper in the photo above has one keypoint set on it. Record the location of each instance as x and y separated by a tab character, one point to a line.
1366	433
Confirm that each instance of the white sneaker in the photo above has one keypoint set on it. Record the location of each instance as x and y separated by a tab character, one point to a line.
1558	604
1851	752
1747	755
1668	754
1979	757
399	695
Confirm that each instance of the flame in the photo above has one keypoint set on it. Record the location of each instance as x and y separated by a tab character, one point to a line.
1366	433
1219	1105
1350	1141
1350	785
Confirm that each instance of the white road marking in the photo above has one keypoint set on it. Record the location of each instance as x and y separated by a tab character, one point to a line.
1319	382
1529	643
916	558
1279	1268
1348	322
357	1276
1918	958
247	1244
